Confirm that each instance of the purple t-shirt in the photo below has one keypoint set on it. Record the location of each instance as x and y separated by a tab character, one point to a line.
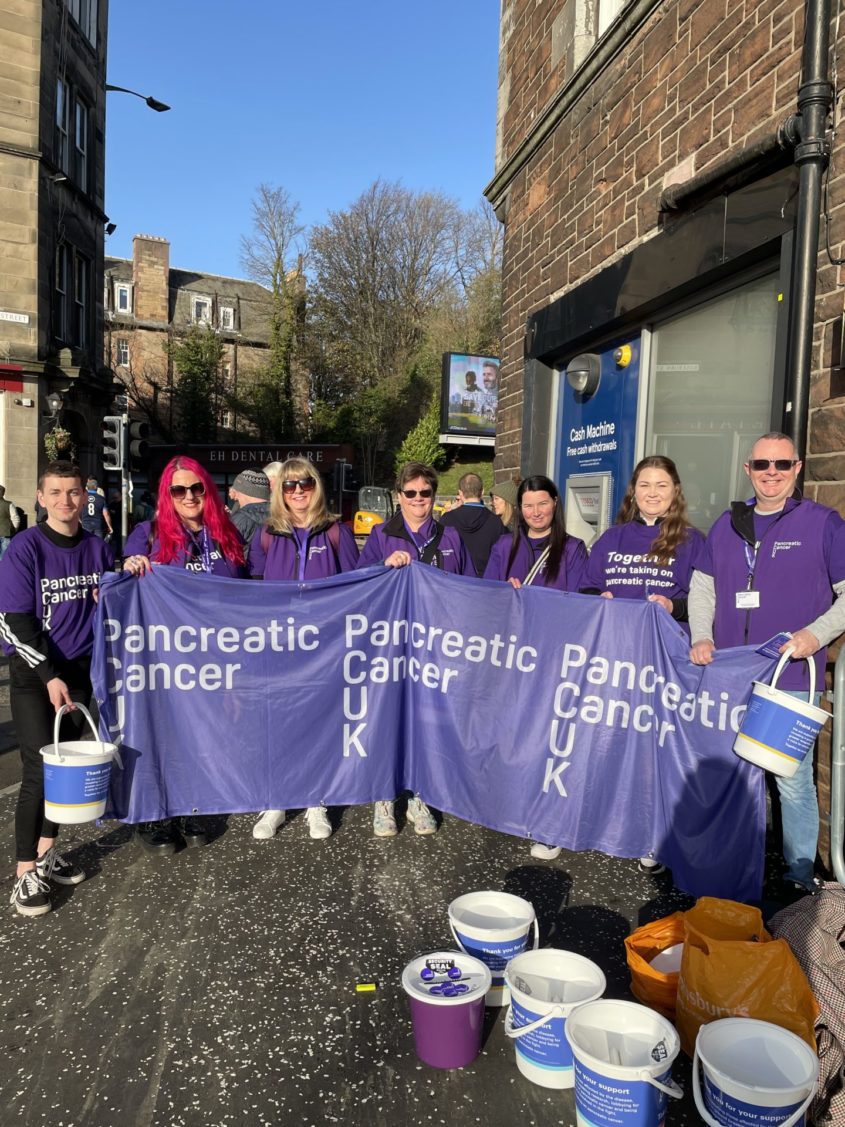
200	553
309	556
570	576
619	563
55	586
395	536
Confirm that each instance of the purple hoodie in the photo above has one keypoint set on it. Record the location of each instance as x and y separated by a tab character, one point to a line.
53	585
570	576
310	555
395	536
800	555
201	552
619	563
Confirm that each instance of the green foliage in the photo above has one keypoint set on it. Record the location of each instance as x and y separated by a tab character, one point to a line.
422	443
196	358
58	443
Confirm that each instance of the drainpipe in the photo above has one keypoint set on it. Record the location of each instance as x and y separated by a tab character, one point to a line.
807	131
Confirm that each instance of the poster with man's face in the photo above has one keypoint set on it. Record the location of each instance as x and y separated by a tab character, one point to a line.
472	394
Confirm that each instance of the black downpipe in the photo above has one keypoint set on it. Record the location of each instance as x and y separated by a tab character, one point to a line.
808	130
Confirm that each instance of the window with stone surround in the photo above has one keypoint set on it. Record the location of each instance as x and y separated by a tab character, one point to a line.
82	116
123	297
227	318
62	151
123	352
60	317
81	299
84	12
201	310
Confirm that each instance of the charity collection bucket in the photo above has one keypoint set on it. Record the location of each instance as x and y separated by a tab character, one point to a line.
779	730
446	993
623	1056
76	774
545	987
755	1074
493	927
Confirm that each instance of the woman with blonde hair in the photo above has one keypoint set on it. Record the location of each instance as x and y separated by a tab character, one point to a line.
272	470
503	503
300	541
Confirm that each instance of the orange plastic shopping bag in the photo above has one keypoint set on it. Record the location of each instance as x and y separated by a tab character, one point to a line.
731	967
650	985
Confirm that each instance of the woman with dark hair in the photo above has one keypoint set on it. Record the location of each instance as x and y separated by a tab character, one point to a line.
539	552
300	541
650	552
413	535
192	530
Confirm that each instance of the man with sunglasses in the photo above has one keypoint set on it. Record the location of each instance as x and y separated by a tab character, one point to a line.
413	535
775	563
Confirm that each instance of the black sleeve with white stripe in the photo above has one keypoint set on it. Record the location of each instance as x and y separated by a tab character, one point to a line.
24	632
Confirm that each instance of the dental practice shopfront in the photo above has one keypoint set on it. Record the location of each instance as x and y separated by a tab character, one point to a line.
675	349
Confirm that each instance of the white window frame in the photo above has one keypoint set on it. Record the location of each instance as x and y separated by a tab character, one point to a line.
227	312
121	288
606	13
85	14
227	419
62	124
197	318
123	352
81	301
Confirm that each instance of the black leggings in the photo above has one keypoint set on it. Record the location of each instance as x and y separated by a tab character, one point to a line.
34	716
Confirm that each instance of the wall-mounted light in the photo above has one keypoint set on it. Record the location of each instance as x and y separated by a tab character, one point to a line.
57	177
111	228
583	374
54	402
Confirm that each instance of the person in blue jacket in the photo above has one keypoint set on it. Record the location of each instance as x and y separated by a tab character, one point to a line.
412	535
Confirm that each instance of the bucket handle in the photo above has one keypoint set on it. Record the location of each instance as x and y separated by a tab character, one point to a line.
669	1087
57	724
458	942
785	656
515	1034
711	1122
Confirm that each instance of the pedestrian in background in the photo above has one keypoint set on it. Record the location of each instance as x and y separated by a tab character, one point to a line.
251	492
300	542
503	503
10	521
476	525
96	518
48	578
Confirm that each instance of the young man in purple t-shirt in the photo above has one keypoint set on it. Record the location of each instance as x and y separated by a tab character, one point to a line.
48	580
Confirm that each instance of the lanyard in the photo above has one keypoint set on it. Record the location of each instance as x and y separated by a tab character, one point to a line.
302	551
751	560
201	548
421	547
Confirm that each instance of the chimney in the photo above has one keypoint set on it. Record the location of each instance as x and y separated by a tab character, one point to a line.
151	275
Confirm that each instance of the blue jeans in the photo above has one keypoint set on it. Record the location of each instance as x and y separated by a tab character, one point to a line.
799	811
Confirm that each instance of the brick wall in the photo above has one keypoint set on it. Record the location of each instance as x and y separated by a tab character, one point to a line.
697	80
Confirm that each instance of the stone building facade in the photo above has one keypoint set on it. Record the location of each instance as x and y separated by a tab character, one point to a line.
648	194
52	121
147	302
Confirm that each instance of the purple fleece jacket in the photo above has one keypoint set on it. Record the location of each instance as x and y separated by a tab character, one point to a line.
395	536
138	543
572	565
284	556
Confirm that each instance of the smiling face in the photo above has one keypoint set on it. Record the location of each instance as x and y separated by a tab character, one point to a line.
298	501
654	493
773	487
537	509
188	508
416	510
490	376
63	498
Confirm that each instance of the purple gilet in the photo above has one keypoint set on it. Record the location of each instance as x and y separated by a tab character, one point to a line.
315	557
800	555
570	576
200	553
433	538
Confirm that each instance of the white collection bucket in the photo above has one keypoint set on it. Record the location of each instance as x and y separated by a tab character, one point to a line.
623	1056
545	987
76	775
755	1074
779	730
493	927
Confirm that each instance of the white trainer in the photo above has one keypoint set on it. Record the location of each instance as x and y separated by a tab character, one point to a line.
421	817
545	852
267	824
319	826
384	823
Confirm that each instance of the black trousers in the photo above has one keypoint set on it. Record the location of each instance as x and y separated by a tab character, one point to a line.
34	717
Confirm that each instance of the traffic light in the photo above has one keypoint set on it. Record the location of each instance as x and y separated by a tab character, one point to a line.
138	445
343	477
113	442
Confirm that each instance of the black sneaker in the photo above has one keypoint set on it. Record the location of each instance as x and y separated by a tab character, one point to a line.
52	866
194	831
156	837
31	895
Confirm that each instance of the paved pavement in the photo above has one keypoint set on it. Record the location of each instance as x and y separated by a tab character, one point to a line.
217	986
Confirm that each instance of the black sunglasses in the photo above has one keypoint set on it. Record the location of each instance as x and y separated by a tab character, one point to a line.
179	491
306	484
782	465
412	493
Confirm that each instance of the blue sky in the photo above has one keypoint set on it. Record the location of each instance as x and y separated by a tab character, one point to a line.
322	97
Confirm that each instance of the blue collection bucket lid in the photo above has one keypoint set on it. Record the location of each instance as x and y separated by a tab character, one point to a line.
432	970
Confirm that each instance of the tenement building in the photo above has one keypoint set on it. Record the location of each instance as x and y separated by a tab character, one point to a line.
674	227
52	118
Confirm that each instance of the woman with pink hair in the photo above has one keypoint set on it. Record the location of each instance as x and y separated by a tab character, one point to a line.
191	529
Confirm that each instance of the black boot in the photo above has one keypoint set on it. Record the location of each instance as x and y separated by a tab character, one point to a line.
156	837
193	830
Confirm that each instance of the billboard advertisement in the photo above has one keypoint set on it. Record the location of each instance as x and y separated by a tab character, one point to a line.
469	398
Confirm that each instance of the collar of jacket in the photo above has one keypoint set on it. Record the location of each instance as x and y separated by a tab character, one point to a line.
742	514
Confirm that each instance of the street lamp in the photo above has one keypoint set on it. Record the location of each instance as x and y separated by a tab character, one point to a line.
153	103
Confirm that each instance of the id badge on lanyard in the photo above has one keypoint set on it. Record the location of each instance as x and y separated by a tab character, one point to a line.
748	599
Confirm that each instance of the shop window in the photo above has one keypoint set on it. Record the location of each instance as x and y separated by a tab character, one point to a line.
710	392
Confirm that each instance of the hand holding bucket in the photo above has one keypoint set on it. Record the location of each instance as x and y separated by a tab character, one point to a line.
76	774
778	730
